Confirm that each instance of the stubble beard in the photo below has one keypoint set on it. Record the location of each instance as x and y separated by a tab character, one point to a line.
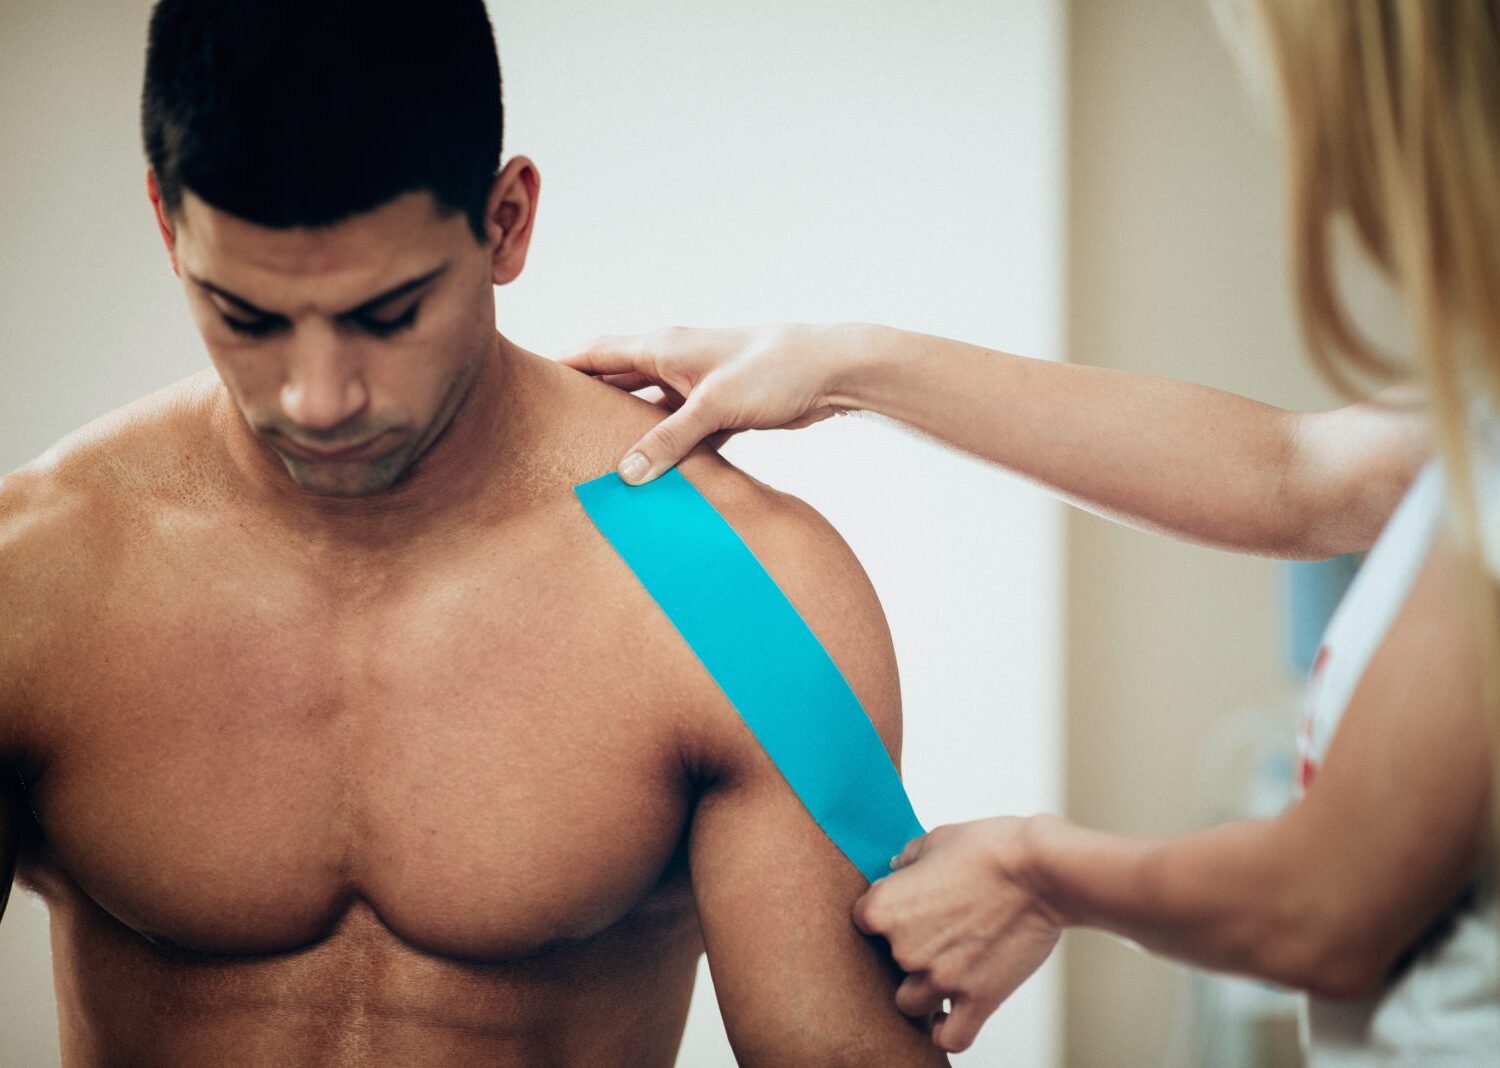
365	478
359	479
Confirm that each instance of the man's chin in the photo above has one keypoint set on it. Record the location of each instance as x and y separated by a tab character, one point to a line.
331	479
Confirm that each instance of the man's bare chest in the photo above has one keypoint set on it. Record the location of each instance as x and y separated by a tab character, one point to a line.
235	749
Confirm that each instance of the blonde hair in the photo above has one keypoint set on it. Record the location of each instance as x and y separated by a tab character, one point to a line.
1392	120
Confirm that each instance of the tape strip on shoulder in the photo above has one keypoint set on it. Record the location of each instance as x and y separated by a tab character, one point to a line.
765	658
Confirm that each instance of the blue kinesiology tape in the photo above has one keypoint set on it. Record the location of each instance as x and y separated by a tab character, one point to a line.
764	657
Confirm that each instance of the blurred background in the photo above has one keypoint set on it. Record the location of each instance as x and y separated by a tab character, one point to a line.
1087	180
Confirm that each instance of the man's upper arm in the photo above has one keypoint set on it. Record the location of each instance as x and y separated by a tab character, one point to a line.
796	982
36	517
13	506
11	810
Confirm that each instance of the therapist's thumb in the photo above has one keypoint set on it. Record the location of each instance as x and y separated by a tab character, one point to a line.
668	442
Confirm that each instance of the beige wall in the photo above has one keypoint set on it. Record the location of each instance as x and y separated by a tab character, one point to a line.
1176	269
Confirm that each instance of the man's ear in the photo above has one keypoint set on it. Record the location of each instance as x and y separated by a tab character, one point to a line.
163	223
509	216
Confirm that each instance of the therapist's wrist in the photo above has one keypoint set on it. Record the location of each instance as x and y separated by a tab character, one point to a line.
860	360
1040	864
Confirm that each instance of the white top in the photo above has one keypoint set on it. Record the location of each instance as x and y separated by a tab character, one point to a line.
1442	1009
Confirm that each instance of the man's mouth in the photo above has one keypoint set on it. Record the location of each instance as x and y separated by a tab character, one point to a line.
359	451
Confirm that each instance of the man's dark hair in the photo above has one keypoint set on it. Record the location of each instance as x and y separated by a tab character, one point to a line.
304	112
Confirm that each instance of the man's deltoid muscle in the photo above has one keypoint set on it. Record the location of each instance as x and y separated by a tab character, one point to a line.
345	738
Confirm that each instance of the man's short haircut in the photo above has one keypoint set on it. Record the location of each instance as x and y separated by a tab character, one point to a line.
292	113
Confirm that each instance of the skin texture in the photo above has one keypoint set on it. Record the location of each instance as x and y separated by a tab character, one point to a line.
1325	898
390	760
1171	457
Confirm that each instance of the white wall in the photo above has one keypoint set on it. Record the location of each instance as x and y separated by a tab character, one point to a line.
702	163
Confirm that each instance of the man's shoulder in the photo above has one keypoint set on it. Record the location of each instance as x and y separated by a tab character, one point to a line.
820	575
787	535
119	458
800	549
72	503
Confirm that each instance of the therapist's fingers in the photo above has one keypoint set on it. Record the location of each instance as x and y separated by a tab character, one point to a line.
917	996
910	854
669	441
957	1030
669	400
610	356
629	381
717	439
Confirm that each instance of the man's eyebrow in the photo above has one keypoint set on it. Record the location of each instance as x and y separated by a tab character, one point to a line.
353	313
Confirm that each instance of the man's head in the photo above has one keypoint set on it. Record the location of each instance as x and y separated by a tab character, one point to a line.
306	112
325	177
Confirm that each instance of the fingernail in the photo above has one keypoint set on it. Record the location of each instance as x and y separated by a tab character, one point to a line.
634	467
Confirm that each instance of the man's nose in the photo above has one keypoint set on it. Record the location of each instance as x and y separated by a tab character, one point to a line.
324	384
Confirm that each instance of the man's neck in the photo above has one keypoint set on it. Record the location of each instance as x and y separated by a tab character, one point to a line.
458	469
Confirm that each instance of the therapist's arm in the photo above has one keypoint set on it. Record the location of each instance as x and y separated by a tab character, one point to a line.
1168	456
1173	457
1324	898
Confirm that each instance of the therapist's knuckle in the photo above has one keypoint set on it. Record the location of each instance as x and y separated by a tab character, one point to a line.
708	394
906	958
946	975
880	908
957	1040
704	417
911	999
666	438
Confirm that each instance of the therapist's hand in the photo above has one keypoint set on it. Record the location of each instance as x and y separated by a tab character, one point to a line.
962	922
719	382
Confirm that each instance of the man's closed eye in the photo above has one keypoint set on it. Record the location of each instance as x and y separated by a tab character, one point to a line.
377	327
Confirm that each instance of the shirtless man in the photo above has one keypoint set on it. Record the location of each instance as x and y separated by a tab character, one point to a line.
331	731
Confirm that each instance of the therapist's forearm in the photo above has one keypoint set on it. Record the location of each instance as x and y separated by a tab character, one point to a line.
1238	898
1172	457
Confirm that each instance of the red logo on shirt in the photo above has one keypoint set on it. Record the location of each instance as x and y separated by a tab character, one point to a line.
1306	769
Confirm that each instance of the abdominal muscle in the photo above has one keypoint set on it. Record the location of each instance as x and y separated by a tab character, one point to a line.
363	996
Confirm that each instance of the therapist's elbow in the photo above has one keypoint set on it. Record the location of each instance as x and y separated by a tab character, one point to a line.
1325	955
1347	973
1306	525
